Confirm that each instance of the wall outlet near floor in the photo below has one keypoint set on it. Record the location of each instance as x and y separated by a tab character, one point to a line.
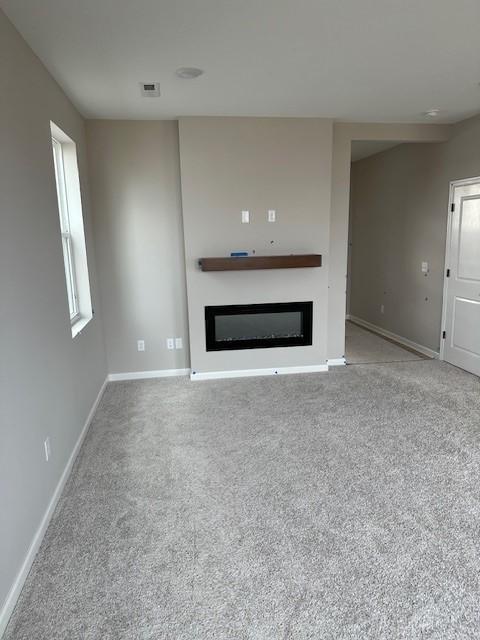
47	449
141	345
178	343
170	343
382	308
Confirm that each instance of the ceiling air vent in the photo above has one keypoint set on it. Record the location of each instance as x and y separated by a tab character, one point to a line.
150	89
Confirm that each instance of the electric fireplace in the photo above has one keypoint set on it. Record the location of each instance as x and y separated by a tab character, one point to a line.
258	326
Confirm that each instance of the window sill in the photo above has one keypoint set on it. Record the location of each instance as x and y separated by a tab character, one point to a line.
79	325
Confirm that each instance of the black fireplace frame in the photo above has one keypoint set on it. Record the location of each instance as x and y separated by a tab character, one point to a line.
306	309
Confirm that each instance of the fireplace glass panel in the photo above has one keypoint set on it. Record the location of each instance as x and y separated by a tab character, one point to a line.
258	326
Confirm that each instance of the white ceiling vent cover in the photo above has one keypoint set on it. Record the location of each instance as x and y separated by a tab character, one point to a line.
150	89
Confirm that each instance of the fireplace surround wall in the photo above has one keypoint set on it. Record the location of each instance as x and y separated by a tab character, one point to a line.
232	164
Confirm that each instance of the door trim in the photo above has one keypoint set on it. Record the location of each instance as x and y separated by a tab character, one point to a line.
453	185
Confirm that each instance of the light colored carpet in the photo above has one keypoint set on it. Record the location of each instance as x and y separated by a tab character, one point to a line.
325	506
362	347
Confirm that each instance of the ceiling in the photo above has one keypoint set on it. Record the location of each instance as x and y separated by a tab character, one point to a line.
361	60
362	149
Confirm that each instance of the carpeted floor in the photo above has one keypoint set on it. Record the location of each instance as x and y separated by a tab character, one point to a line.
363	347
326	506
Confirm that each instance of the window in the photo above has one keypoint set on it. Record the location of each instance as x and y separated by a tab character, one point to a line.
65	230
71	229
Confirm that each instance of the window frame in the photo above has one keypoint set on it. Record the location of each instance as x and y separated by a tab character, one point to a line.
68	247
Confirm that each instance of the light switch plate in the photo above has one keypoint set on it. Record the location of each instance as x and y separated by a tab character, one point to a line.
141	345
178	343
245	217
424	267
272	215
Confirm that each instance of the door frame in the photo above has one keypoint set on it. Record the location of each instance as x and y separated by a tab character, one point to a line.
453	185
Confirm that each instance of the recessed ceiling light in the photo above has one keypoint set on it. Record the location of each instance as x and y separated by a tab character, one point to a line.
150	89
432	113
188	73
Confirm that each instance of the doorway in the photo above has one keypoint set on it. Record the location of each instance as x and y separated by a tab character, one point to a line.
395	255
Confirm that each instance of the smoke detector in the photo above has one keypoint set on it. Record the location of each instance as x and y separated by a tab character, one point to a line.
188	73
150	89
432	113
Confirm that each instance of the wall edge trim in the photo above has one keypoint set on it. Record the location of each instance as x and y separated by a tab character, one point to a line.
336	362
246	373
144	375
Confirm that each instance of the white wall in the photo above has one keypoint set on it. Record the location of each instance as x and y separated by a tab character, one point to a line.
48	381
231	164
399	220
135	185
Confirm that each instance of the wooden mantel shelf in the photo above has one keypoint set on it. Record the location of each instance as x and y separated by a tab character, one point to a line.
247	263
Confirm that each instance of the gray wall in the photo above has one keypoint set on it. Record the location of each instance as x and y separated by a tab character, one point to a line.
231	164
399	219
48	381
135	184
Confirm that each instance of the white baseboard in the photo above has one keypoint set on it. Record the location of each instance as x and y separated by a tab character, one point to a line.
19	581
244	373
393	336
143	375
336	362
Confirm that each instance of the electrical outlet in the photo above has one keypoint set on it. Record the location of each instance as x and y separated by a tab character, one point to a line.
178	343
141	345
47	449
170	343
382	308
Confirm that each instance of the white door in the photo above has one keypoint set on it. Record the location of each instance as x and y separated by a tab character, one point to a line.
461	320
